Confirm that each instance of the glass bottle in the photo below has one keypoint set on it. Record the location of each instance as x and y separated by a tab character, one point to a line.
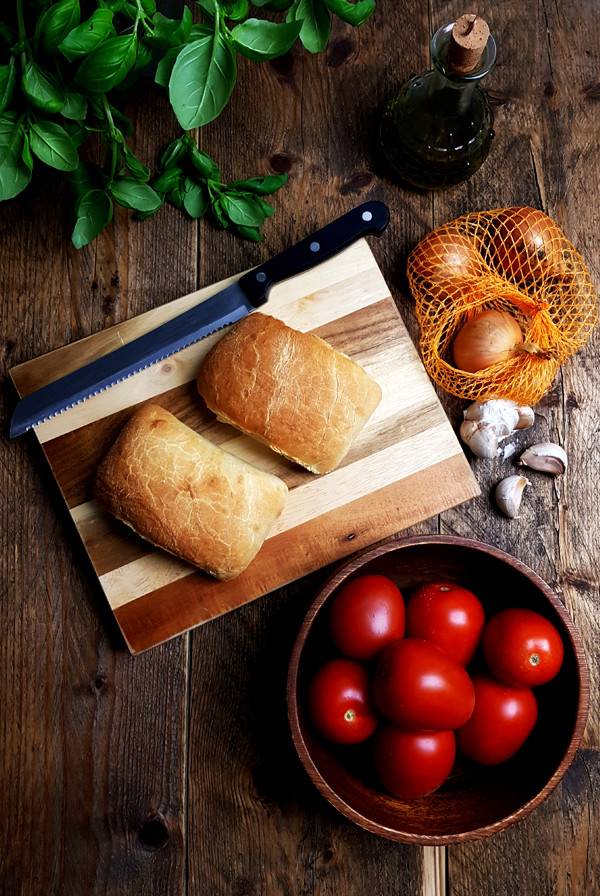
436	131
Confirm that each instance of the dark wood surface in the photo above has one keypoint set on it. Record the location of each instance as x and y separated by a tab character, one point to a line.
174	772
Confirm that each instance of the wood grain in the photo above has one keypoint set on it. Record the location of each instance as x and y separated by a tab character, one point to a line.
173	773
474	802
406	465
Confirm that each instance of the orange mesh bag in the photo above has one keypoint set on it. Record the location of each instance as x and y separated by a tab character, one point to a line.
514	260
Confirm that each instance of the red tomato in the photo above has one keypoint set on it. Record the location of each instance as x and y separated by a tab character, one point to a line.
340	702
366	614
418	686
412	763
448	615
502	721
522	647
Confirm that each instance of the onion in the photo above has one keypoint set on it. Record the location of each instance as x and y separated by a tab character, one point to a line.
444	256
527	244
487	338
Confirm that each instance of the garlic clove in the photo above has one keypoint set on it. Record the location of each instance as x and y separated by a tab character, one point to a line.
547	457
526	417
508	494
482	440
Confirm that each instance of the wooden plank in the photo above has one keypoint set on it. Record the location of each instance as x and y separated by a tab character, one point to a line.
404	466
545	131
88	775
173	773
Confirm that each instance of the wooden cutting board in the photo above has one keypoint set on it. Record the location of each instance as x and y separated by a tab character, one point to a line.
406	465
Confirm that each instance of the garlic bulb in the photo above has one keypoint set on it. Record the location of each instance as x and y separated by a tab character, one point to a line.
496	412
547	457
486	423
508	494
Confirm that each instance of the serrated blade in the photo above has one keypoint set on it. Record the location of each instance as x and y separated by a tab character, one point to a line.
225	307
218	311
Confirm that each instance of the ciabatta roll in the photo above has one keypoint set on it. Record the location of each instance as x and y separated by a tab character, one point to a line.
288	389
186	495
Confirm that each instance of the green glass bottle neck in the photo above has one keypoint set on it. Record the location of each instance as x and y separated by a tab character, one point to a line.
440	44
450	89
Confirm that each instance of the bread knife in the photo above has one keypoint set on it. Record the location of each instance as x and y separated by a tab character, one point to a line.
220	310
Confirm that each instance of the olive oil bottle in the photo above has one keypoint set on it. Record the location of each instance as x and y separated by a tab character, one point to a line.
437	129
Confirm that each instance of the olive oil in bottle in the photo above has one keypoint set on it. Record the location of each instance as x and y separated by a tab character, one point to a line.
436	131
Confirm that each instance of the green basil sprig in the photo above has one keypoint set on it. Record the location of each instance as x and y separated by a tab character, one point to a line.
64	71
192	182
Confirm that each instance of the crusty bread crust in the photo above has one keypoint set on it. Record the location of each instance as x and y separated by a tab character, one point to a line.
184	494
288	389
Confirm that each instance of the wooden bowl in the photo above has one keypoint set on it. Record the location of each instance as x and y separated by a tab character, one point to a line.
475	801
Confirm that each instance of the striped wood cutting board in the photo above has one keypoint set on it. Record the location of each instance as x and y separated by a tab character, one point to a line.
406	465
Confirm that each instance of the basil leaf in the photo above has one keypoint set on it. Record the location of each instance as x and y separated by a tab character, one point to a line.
8	80
86	178
144	57
89	35
52	145
352	13
268	210
107	65
27	155
132	194
199	30
121	121
172	32
273	5
261	40
41	89
129	9
236	10
195	201
202	80
76	130
316	23
75	107
250	233
176	194
165	67
167	180
263	186
241	210
173	153
218	214
94	212
203	164
138	170
55	23
15	172
208	9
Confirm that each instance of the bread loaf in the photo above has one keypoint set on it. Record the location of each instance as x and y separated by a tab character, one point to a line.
290	390
186	495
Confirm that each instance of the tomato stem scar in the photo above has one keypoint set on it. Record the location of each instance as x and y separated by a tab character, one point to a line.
350	715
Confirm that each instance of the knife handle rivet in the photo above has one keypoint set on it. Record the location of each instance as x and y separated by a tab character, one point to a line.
261	276
314	247
367	216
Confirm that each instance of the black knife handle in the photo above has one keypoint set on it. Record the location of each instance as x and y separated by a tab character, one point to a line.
369	218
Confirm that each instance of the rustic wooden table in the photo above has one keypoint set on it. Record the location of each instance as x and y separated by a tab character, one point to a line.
173	772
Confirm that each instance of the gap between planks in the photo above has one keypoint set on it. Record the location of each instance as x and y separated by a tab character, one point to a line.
434	871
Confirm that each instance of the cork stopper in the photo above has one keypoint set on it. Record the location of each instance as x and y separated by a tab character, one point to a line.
469	37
